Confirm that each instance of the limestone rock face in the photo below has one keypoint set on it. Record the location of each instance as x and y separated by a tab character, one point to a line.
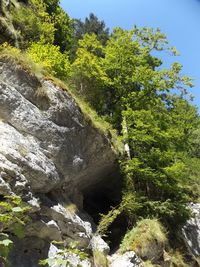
46	141
49	153
191	231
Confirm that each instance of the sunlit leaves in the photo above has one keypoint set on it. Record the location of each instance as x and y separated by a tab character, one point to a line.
50	57
13	216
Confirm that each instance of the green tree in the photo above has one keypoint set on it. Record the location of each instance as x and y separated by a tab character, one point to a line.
156	173
50	57
88	74
45	21
91	25
64	31
148	105
63	35
131	68
52	6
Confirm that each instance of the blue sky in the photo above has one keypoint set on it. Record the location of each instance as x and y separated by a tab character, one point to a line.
178	19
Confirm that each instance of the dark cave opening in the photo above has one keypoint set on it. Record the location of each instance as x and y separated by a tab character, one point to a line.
116	232
99	200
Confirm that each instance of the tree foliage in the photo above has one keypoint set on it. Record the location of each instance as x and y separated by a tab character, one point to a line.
87	70
50	57
44	21
91	25
63	25
127	84
157	172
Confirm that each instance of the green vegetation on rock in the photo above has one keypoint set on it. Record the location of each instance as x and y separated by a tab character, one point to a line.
148	239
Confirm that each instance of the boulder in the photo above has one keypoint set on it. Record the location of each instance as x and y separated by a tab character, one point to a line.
98	244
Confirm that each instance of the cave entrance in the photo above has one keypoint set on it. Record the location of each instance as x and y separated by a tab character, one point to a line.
99	199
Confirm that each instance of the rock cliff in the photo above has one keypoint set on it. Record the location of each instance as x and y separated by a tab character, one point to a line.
49	154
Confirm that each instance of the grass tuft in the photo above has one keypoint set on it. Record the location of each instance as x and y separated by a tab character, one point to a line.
176	259
148	239
100	260
20	59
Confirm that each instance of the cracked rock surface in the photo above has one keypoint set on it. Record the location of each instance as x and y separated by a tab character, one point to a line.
49	153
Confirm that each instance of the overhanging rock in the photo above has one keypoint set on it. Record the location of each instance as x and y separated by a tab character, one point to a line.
49	153
45	138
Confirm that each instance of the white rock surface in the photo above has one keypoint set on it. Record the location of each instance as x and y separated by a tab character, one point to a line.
97	243
72	258
128	259
191	230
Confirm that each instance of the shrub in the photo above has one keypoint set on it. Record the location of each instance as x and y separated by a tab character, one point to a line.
108	219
